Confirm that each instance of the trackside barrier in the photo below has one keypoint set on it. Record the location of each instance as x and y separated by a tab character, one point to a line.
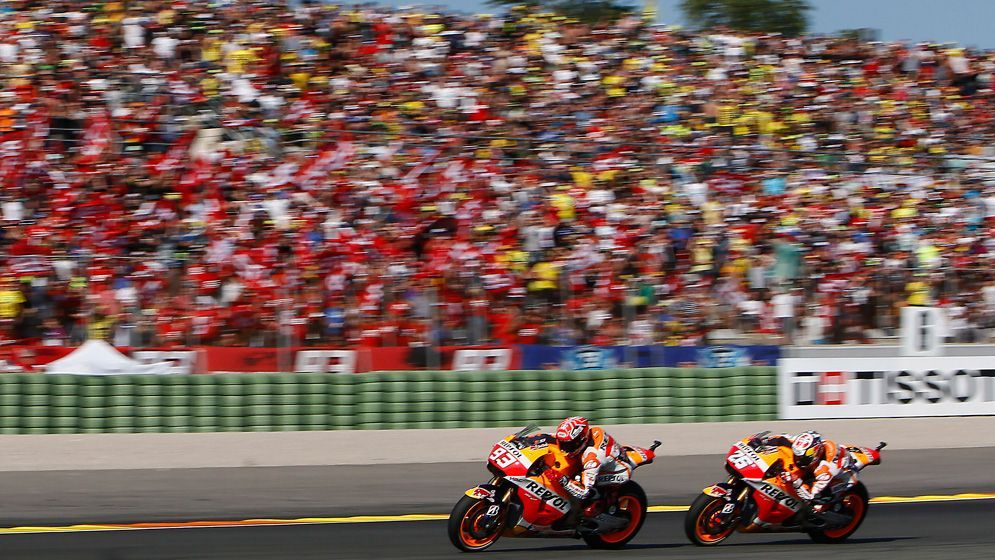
40	404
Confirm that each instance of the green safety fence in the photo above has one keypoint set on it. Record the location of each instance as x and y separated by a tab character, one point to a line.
43	404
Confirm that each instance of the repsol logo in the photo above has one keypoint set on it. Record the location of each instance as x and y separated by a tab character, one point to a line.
780	496
512	449
612	479
546	495
749	452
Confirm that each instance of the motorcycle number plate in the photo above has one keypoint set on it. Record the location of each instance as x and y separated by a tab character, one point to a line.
739	460
502	458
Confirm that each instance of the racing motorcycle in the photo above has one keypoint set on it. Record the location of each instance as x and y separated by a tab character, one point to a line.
755	500
525	498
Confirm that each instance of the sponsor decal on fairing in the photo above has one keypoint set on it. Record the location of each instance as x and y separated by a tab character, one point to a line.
506	454
776	494
748	451
617	478
479	493
541	493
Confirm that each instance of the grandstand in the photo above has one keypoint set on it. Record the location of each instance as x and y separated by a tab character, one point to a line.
245	174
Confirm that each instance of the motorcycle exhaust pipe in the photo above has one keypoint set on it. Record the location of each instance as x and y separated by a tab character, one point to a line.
829	519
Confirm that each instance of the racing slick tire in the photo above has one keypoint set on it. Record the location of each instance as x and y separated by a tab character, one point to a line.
466	525
699	522
855	503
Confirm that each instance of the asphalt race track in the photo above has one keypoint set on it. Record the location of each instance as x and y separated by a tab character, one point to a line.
954	529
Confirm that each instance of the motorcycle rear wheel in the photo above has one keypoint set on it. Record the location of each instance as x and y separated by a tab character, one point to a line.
699	523
465	530
632	500
854	503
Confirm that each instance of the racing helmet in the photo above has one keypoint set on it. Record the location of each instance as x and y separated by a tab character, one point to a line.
808	449
572	434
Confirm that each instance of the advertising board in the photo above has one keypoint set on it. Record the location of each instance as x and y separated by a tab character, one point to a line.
885	387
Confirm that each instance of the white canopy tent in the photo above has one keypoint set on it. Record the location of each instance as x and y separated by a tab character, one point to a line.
96	357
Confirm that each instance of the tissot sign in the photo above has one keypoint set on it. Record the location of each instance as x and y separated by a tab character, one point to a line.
875	387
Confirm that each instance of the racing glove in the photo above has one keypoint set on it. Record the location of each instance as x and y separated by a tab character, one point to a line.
803	492
573	488
795	482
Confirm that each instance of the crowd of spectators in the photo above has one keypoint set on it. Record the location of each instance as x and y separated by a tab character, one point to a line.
245	172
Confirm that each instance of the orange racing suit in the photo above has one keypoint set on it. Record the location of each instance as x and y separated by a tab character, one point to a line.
810	482
603	457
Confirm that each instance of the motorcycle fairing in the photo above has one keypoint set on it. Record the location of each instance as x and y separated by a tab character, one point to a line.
775	504
483	492
863	456
638	456
509	459
615	473
541	505
719	490
747	462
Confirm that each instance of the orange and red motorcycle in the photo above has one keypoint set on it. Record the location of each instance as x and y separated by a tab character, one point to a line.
755	500
525	498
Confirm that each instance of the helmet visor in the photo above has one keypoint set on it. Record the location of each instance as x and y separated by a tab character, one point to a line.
571	446
807	457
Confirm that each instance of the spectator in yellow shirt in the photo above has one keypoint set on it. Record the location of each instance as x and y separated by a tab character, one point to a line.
11	300
918	291
544	279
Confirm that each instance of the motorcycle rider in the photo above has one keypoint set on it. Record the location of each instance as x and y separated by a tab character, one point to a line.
598	452
816	461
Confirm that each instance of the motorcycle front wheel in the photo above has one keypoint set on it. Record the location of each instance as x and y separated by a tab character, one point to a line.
853	504
468	525
703	525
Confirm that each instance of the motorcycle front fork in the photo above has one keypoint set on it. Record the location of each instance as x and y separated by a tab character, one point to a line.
493	513
734	507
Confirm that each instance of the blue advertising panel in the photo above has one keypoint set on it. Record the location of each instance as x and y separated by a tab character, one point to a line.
587	357
607	357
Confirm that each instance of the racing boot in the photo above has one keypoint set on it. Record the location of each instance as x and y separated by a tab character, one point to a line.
573	517
582	510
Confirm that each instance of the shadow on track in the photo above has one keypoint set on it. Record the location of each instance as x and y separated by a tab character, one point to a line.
581	548
664	546
796	542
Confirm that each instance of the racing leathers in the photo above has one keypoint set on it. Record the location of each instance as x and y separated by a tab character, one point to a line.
603	456
809	482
